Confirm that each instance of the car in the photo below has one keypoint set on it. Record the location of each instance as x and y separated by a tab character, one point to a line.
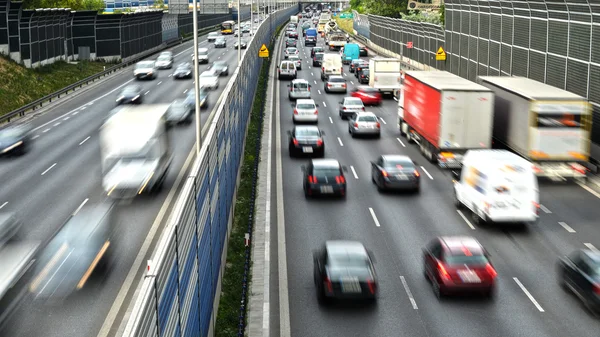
360	67
145	70
202	55
243	43
395	172
363	76
290	51
458	264
305	110
220	42
246	29
318	60
363	51
368	95
167	53
190	99
15	139
213	36
350	106
299	89
293	35
289	31
315	21
179	112
220	67
310	41
164	62
307	140
297	59
287	69
291	43
364	123
335	83
315	50
324	177
184	70
209	79
131	94
354	64
579	273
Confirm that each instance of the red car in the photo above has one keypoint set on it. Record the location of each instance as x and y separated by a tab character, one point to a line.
456	264
368	95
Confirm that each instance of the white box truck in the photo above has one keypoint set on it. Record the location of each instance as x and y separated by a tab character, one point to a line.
294	19
331	65
385	74
135	150
548	126
446	115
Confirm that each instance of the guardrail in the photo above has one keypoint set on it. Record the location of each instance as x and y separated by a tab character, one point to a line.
39	103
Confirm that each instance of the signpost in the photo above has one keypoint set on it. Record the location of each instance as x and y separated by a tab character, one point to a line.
347	16
440	55
263	52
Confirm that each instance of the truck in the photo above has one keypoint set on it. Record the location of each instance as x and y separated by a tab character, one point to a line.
294	19
337	40
17	258
134	146
446	115
331	65
548	126
386	74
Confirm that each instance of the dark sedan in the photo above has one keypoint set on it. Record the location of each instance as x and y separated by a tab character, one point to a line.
395	172
307	140
190	100
344	270
220	42
363	76
363	51
220	67
354	63
579	273
243	44
315	50
324	177
179	112
291	43
318	59
15	139
183	70
360	67
131	94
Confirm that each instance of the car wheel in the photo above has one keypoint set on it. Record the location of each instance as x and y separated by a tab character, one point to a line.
457	202
435	286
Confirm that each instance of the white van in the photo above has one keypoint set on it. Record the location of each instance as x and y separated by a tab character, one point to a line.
331	65
497	186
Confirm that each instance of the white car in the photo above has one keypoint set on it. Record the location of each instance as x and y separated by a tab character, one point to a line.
296	58
290	51
209	80
212	36
306	110
202	55
145	70
164	62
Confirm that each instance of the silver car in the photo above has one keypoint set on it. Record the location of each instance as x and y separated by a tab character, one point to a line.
297	59
364	123
349	106
299	89
305	110
335	83
164	62
212	36
145	70
209	80
179	112
202	55
290	51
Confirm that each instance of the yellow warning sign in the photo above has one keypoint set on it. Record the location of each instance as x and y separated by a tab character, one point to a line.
263	51
441	54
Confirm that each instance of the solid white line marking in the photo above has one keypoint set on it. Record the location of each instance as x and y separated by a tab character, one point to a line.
4	204
383	120
319	91
46	130
186	90
159	83
331	120
400	141
48	169
465	218
81	206
354	172
36	136
57	124
351	82
427	173
374	217
90	103
596	194
146	93
588	245
85	140
409	293
545	209
395	99
567	227
537	305
66	118
75	113
315	82
340	141
345	74
324	104
83	108
311	74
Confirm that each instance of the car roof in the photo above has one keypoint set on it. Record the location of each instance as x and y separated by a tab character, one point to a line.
457	244
299	80
322	163
336	76
342	247
366	113
306	127
305	101
396	157
350	98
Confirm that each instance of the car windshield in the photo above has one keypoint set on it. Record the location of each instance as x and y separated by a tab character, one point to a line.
219	64
213	34
177	107
312	132
10	133
301	85
341	264
305	106
208	74
367	119
354	101
294	58
337	80
164	58
317	49
326	171
366	71
142	65
319	56
183	67
221	39
398	165
469	260
131	90
291	50
203	52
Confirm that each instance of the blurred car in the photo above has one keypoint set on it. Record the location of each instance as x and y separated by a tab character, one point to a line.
209	79
202	55
289	31
213	36
310	41
164	62
360	67
287	69
220	67
315	50
354	64
395	172
363	51
167	53
179	112
299	89
293	34
145	70
15	139
220	42
297	59
318	60
349	106
368	95
246	29
131	94
183	70
579	273
290	51
364	123
363	76
307	140
315	21
344	270
291	43
324	177
335	83
236	33
305	110
456	264
190	99
243	44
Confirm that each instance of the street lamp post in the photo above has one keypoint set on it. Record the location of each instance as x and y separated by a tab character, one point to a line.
196	80
239	33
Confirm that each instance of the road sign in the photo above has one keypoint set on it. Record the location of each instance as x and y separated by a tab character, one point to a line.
440	55
409	45
263	51
347	16
332	24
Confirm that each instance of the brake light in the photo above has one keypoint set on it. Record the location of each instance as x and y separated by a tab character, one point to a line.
343	85
340	180
341	70
295	141
578	168
443	272
355	125
490	270
363	76
328	285
384	174
416	173
328	84
363	108
537	207
312	179
597	289
323	69
344	108
372	286
316	111
378	125
295	111
319	142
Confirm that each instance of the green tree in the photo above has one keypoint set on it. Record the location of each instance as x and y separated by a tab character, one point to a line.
76	5
391	8
159	3
443	14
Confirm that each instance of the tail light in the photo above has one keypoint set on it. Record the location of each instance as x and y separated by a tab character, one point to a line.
316	111
537	207
295	142
597	289
329	84
372	286
416	173
344	108
295	111
323	69
319	142
579	168
490	271
384	174
340	180
356	125
312	179
328	285
378	125
443	272
341	69
343	85
363	108
363	76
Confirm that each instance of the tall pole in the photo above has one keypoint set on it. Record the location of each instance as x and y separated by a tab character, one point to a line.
196	80
251	18
239	32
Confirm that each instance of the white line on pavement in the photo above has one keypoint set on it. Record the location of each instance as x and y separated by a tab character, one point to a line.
409	293
85	140
331	120
400	141
81	206
531	298
374	217
427	173
46	130
48	169
382	120
36	136
465	218
567	227
596	194
146	93
57	124
590	246
340	141
319	91
324	104
4	204
545	209
354	172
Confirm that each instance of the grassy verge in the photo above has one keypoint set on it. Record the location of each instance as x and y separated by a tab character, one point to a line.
20	86
229	305
346	25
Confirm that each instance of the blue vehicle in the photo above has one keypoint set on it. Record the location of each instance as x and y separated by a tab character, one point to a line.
351	52
310	32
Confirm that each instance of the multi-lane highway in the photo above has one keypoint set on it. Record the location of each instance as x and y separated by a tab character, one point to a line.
62	172
396	227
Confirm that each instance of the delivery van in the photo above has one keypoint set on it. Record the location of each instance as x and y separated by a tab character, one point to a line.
331	65
497	186
351	52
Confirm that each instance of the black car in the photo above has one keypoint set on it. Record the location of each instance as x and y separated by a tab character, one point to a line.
15	139
243	44
344	270
395	172
291	43
310	41
183	70
318	59
579	273
190	100
307	140
363	76
359	68
315	50
324	177
354	64
362	51
131	94
220	42
179	112
220	67
293	35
